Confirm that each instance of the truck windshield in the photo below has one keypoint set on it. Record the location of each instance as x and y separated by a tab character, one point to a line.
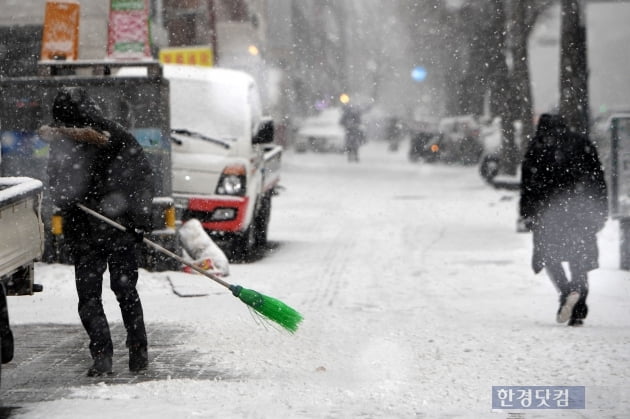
215	109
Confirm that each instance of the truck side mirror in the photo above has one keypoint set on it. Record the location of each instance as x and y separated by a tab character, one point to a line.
265	132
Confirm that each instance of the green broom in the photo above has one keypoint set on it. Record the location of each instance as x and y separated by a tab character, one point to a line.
269	307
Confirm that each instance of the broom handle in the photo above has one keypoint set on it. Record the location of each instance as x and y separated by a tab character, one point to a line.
158	248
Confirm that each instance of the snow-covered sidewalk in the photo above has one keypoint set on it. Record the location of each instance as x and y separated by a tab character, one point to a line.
417	296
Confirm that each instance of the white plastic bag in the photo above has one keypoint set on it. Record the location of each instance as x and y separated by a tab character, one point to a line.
204	252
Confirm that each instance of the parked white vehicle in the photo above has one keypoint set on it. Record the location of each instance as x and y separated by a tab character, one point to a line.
321	133
459	140
22	243
225	169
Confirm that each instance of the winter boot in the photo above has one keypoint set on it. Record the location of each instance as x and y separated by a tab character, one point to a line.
567	302
580	311
102	365
138	358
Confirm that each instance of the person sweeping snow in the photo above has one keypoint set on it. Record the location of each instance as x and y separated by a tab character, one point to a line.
96	162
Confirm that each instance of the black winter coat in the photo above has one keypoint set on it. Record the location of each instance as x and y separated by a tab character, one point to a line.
564	195
103	167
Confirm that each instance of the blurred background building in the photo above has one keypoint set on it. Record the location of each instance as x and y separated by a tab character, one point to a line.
414	60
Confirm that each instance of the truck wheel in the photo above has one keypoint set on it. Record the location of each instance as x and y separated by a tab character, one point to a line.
262	221
244	246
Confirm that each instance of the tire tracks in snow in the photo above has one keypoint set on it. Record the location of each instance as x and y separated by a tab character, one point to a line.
331	280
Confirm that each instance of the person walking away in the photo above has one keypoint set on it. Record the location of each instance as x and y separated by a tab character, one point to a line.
394	133
564	202
95	162
351	121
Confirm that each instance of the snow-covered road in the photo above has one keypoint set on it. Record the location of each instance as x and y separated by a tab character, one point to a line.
417	297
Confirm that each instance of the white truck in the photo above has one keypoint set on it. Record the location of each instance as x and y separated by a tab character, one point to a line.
225	168
22	243
22	232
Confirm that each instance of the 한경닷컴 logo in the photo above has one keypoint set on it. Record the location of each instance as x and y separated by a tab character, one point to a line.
538	397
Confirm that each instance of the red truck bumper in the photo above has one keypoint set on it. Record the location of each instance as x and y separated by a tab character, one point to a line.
225	214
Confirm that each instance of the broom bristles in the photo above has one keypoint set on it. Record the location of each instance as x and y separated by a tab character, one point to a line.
270	308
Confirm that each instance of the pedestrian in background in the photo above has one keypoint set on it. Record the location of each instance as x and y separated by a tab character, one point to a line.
95	162
564	203
355	137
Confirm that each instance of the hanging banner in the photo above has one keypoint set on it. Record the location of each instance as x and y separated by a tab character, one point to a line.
60	38
128	30
201	56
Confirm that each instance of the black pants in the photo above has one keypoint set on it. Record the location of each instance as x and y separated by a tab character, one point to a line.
578	283
90	265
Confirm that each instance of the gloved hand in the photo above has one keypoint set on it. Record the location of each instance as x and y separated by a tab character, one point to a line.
137	234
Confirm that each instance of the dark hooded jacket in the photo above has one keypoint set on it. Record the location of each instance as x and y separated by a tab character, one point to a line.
563	194
96	162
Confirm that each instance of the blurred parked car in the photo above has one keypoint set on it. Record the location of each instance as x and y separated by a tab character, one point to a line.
455	140
423	139
425	145
321	133
459	140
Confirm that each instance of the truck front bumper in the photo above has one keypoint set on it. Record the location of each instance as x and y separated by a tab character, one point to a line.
221	214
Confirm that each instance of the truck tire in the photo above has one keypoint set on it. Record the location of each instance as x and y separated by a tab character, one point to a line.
244	245
262	221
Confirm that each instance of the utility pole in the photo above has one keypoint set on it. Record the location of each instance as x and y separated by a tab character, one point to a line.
212	23
574	103
500	88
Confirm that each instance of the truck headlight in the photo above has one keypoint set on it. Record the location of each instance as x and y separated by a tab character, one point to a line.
232	181
223	214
